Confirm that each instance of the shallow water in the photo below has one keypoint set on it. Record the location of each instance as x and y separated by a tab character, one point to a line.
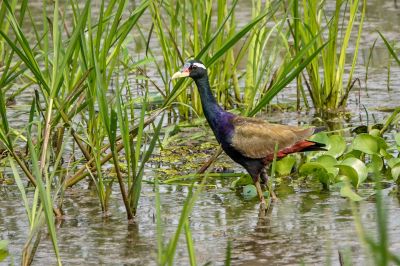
304	226
307	226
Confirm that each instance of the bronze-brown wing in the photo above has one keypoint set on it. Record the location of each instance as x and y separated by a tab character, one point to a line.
256	138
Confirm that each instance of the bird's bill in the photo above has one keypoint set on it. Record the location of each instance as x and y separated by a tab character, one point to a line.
180	74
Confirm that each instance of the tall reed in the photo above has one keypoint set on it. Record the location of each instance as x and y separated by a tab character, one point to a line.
192	27
324	79
69	66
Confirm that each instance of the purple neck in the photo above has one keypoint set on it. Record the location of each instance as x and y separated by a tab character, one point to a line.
217	118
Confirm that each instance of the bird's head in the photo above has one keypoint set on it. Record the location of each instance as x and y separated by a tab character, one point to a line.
192	68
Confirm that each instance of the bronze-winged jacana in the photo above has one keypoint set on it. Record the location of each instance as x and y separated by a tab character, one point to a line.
248	141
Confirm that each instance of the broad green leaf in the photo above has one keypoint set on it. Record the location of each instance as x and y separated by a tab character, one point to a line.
329	163
350	173
336	146
375	165
316	170
366	143
321	137
353	154
347	192
249	192
327	160
393	161
384	153
375	132
395	171
284	166
354	169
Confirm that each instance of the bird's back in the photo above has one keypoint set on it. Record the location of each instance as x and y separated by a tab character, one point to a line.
255	138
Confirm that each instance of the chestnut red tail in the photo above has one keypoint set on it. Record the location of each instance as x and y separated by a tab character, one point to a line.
300	146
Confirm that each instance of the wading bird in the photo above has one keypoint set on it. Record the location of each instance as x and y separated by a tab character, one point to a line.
248	141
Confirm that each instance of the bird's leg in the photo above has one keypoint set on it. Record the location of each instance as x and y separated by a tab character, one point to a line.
260	193
264	177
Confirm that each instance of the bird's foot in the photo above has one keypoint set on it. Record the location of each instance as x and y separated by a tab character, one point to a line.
263	205
262	212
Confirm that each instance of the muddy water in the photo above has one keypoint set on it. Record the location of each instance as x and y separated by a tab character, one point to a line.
305	226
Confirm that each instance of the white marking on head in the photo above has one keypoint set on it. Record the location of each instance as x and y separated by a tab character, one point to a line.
199	65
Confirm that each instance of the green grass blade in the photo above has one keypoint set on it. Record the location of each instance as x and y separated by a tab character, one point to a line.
238	36
72	45
190	244
390	48
159	226
217	32
45	198
21	188
277	87
137	184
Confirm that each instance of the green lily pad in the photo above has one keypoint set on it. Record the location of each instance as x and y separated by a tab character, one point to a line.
375	132
347	192
336	146
375	165
354	169
366	143
320	137
393	161
249	192
317	170
329	163
383	152
284	166
353	154
395	171
327	160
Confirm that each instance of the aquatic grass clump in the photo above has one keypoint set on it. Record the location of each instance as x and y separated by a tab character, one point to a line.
69	69
217	39
324	79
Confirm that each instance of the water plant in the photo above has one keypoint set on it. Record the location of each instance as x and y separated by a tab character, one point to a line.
71	71
378	247
325	74
262	79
